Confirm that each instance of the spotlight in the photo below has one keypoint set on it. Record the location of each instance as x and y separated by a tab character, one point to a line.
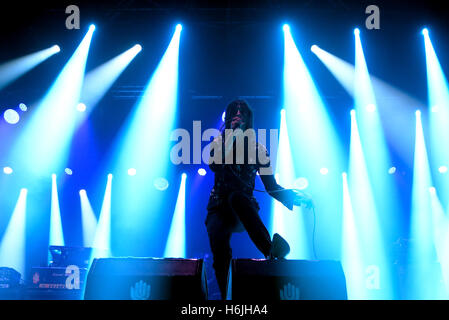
324	171
202	172
425	32
223	116
392	170
442	169
432	190
81	107
7	170
56	48
356	31
314	48
92	27
418	113
68	171
161	184
286	28
184	176
352	113
11	116
283	112
132	172
434	109
82	192
178	27
23	107
301	183
344	175
138	47
110	176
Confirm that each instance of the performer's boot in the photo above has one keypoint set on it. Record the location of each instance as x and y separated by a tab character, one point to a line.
279	247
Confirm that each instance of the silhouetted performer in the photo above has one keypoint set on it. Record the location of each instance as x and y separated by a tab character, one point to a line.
232	206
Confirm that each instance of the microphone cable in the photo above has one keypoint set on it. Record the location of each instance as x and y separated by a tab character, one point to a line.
274	191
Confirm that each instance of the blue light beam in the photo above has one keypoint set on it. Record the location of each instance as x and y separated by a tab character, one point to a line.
366	218
144	145
12	245
290	225
312	133
441	237
374	146
423	277
102	239
56	232
176	241
438	106
12	70
351	255
46	138
397	114
98	81
88	219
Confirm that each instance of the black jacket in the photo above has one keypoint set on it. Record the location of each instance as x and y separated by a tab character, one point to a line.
241	178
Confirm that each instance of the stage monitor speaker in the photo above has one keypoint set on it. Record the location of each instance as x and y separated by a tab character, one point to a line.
10	284
271	280
56	283
146	279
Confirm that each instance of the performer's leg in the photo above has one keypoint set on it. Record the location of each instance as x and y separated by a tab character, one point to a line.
250	219
219	238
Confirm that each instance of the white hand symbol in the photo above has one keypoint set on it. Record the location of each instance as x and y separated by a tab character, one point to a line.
140	291
290	292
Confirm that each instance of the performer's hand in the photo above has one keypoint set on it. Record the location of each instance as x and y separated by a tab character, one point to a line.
303	199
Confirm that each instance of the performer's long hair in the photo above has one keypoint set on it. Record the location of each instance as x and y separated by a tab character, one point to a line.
231	110
247	114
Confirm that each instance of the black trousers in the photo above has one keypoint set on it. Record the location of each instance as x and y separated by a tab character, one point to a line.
234	213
